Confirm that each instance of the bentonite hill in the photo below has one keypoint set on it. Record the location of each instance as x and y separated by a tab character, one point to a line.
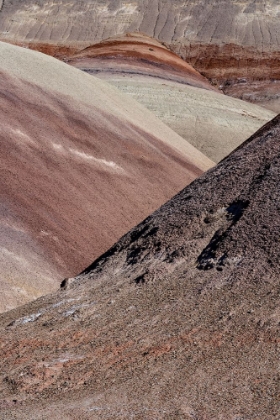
178	320
80	165
144	69
235	43
78	157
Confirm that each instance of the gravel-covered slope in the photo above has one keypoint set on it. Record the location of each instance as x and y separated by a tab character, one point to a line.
178	320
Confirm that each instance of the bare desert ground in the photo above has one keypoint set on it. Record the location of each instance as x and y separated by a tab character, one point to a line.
178	320
139	280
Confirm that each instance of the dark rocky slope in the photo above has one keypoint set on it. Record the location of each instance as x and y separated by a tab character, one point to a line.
178	320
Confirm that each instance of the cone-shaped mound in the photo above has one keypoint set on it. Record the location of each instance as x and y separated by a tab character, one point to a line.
80	165
179	319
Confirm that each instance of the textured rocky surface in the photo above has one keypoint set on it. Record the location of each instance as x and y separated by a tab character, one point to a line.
178	320
246	23
80	165
250	73
224	40
264	93
145	70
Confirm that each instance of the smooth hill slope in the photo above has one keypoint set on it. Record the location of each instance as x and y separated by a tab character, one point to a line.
136	53
145	70
178	320
232	42
80	165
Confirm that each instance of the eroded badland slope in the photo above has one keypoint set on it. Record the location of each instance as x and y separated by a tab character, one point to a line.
179	319
160	80
234	43
80	165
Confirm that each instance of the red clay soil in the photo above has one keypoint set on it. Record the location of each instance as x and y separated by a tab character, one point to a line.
138	53
54	50
178	320
240	71
231	61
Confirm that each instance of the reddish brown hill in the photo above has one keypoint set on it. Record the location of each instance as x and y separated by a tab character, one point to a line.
80	164
142	68
179	319
136	53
